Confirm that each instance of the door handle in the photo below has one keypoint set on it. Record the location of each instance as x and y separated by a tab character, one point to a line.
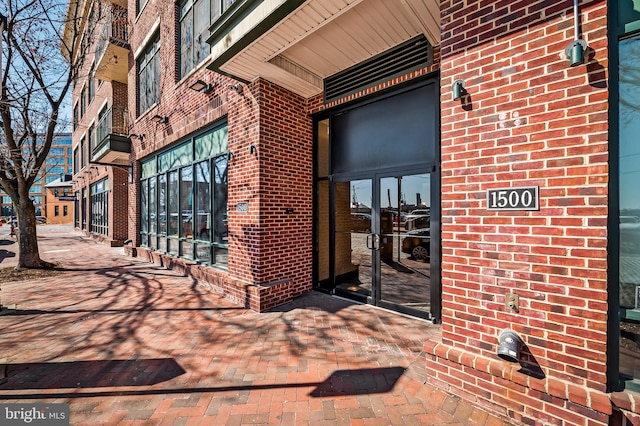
375	240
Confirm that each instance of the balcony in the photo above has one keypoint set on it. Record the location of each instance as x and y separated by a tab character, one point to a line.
298	43
111	145
122	3
112	47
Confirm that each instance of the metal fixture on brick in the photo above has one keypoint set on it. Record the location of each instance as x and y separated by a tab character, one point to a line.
201	86
510	346
576	50
252	149
138	136
512	302
458	90
236	88
159	118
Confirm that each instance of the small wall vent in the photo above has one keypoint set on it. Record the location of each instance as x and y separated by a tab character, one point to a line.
406	57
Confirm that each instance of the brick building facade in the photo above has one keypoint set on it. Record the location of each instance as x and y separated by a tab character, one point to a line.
354	147
100	121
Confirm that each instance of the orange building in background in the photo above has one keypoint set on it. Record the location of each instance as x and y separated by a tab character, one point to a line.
59	201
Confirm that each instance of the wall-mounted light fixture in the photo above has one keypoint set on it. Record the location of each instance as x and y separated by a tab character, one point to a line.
509	346
237	88
138	136
159	118
252	149
458	89
232	156
201	86
130	171
575	51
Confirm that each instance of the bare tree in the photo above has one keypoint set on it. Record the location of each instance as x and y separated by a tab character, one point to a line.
40	38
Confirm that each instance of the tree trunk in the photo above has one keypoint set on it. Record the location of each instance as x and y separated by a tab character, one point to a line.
28	252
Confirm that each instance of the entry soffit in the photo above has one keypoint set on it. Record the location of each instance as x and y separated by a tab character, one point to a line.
323	37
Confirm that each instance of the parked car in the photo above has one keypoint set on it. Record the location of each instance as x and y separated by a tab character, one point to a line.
417	222
41	219
418	212
417	244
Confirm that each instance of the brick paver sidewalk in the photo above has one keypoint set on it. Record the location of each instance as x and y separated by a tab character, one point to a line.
126	342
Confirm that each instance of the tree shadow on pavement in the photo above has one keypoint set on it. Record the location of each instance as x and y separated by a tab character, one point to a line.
126	373
6	254
91	374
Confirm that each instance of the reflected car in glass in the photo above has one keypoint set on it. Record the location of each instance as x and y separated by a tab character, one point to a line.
417	244
417	222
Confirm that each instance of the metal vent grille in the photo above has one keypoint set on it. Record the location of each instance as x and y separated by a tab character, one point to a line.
406	57
295	69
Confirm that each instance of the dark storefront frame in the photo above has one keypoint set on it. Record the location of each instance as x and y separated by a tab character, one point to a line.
624	29
99	209
429	165
187	183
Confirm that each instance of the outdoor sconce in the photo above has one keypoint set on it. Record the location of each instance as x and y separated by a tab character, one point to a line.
576	49
510	345
575	52
201	86
237	88
138	136
458	89
159	118
232	156
252	149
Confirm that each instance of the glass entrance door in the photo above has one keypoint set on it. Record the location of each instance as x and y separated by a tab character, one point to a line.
381	241
405	250
353	238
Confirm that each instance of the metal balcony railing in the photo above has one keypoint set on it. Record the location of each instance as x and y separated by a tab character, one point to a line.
112	122
114	30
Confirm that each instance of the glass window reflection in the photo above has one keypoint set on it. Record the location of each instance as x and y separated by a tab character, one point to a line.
629	220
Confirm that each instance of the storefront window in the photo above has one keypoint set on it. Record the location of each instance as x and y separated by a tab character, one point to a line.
174	219
152	207
144	204
187	195
189	221
627	26
220	210
99	194
629	157
162	204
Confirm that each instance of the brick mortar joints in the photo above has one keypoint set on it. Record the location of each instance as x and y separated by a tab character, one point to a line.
455	355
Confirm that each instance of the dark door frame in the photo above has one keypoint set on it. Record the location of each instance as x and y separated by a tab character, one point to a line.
433	169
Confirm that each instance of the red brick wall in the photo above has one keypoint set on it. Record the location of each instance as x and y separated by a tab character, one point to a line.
266	246
286	180
530	119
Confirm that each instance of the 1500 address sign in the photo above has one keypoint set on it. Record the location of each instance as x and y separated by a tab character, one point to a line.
522	198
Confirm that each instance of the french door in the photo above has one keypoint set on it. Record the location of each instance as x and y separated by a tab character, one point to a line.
382	247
